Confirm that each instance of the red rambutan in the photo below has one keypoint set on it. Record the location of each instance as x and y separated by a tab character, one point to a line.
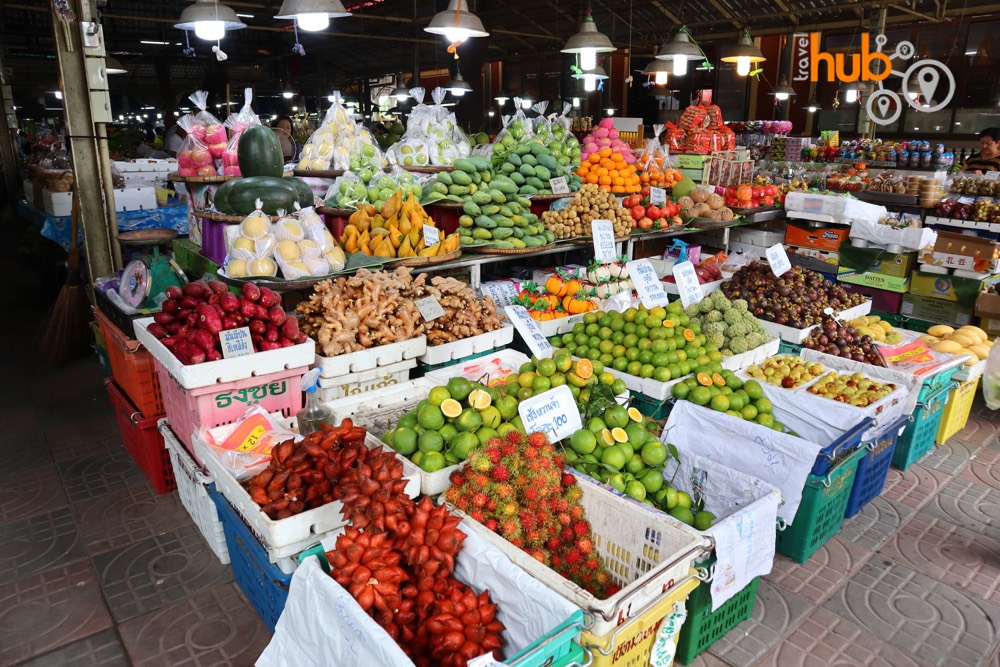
585	546
491	505
560	505
480	462
574	494
568	479
553	544
478	480
478	515
581	528
531	495
593	562
566	535
494	443
508	449
573	556
500	473
513	437
510	529
480	499
508	509
492	524
456	478
538	555
576	511
537	439
564	518
494	454
503	491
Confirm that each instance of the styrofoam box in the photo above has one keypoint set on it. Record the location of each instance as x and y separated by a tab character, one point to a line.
790	335
224	370
135	199
758	237
191	487
365	360
559	325
148	165
459	349
364	382
283	537
966	373
59	204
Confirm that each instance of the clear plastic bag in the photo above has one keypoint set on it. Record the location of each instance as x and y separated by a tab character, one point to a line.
516	129
330	253
236	123
361	155
337	129
206	127
991	379
193	158
565	146
541	126
251	245
347	192
247	450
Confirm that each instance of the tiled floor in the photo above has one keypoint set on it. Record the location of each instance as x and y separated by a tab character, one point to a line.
96	569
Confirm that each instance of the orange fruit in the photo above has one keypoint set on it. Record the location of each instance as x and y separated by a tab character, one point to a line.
584	368
689	335
704	379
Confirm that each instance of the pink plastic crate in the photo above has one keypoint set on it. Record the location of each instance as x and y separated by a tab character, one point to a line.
224	403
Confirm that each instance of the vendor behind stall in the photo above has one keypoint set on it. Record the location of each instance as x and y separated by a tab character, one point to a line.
988	158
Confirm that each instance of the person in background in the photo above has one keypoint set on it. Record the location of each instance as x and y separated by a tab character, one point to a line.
282	126
988	157
173	137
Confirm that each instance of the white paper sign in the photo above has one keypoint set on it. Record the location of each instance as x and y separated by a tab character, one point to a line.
558	185
483	150
657	196
552	412
503	292
687	283
992	175
430	308
778	259
431	235
604	240
529	331
647	283
236	342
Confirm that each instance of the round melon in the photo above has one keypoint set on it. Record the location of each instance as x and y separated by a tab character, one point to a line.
260	153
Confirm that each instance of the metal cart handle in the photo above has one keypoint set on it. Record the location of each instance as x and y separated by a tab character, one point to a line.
569	628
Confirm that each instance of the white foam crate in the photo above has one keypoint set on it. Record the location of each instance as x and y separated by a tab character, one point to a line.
192	483
488	368
560	325
459	349
706	288
225	370
365	360
282	538
792	335
354	384
646	552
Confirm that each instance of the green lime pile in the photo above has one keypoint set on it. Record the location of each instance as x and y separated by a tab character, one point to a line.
725	392
581	375
659	343
729	325
452	422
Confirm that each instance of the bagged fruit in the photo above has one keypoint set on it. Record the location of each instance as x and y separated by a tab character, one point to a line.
251	246
347	192
206	127
236	123
193	158
541	127
361	155
516	129
318	235
337	129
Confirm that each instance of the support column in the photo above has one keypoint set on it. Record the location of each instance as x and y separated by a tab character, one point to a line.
86	111
8	153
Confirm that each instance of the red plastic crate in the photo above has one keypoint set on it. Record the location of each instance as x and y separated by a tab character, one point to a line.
336	224
132	368
225	402
143	441
445	217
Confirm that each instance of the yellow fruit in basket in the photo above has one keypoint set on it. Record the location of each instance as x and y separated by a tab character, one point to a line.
237	268
886	327
947	347
264	266
940	330
479	399
297	269
451	408
980	351
973	358
254	226
288	251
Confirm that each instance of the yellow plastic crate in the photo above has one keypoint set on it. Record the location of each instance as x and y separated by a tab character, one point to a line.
957	409
631	643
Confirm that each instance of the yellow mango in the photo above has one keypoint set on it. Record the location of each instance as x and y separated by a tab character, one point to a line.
405	249
385	249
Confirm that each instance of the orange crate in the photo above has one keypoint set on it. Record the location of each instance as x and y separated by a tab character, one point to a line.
132	368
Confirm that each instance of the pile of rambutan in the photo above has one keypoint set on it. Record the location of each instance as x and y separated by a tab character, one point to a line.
516	486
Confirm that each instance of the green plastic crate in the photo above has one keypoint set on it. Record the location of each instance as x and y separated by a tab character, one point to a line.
918	439
821	512
703	627
789	348
651	407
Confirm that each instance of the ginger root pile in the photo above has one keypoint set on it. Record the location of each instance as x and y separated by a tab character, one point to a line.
370	309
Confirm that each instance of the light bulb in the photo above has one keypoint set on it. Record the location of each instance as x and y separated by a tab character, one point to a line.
680	65
525	104
288	95
210	30
852	95
458	92
811	109
781	96
313	22
576	102
588	58
660	79
743	65
330	98
491	113
610	112
589	83
58	94
295	108
456	35
401	97
912	95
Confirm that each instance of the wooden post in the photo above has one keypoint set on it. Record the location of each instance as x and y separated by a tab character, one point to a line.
8	127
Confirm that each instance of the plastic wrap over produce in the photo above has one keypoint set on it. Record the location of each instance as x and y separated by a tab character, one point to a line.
910	238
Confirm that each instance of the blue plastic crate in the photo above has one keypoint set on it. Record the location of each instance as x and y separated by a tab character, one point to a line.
841	448
264	584
918	438
874	468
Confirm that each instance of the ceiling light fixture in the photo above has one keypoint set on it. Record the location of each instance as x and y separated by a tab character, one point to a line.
312	15
288	94
458	86
456	23
591	77
501	99
812	106
400	92
744	54
113	66
209	19
588	42
679	50
783	91
657	69
851	92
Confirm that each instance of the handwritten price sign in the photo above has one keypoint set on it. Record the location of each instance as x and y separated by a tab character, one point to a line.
236	342
687	283
778	259
604	240
529	331
553	412
647	283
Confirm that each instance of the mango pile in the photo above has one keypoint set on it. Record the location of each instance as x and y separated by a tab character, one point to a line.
397	230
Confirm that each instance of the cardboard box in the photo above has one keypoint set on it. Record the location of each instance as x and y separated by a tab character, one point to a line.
825	256
940	311
883	301
964	291
990	326
690	161
854	261
822	238
988	305
950	246
873	279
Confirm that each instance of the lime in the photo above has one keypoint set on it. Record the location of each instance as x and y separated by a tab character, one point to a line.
734	382
546	367
618	387
748	412
682	514
526	378
491	417
526	367
485	434
679	391
736	402
438	395
619	434
430	417
653	481
616	416
654	453
753	389
763	405
505	428
700	395
596	425
684	499
448	431
635	464
636	490
564	362
432	462
469	420
464	444
540	384
720	403
404	441
430	441
459	388
583	441
671	497
409	420
703	520
616	481
614	456
507	405
450	407
637	434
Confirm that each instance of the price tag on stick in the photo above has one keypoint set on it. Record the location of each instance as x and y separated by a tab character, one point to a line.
430	308
236	342
502	292
533	338
647	283
604	240
559	186
687	283
431	235
657	196
553	413
778	259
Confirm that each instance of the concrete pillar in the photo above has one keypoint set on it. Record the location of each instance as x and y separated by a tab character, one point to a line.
8	152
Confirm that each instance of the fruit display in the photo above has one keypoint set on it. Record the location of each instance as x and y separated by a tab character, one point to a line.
308	474
700	129
703	202
653	169
340	143
880	330
607	162
589	204
193	316
300	246
238	124
452	422
729	394
395	230
753	196
205	139
646	215
974	185
888	181
786	370
516	487
583	377
854	389
370	309
387	132
658	343
349	192
558	297
968	340
796	299
531	165
432	135
728	325
842	340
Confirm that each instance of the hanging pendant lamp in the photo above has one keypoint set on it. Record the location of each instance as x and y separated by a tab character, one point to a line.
679	50
744	54
782	91
209	19
312	15
588	42
458	86
456	23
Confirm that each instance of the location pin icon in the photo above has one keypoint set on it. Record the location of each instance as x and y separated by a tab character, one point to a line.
927	79
883	107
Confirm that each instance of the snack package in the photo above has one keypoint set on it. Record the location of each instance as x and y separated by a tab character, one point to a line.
247	449
251	246
206	127
236	123
194	158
